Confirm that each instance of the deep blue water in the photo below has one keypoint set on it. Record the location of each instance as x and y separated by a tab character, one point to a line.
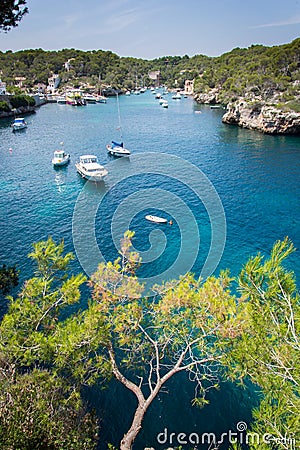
178	159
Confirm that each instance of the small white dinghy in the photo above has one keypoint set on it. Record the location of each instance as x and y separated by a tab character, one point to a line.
156	219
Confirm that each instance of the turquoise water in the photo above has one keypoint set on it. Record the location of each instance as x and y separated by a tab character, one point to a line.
256	177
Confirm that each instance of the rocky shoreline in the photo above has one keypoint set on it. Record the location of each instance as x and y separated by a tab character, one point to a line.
22	111
262	117
255	114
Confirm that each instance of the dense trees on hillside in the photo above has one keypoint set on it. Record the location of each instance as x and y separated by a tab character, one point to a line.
47	355
256	70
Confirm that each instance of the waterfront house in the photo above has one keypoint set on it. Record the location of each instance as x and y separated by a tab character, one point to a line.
2	88
155	76
189	87
53	83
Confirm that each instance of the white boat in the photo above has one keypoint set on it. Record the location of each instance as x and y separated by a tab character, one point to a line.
19	124
161	100
101	99
165	104
176	96
117	149
89	98
155	219
158	95
60	158
75	98
89	168
61	99
127	93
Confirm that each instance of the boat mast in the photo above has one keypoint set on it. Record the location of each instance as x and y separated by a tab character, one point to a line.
100	87
119	116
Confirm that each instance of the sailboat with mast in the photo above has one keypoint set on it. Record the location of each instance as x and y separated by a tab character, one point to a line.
117	148
100	97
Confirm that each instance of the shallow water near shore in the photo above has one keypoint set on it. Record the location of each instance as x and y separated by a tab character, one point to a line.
256	177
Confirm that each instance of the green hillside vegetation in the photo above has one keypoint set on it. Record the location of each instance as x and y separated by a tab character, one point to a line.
257	73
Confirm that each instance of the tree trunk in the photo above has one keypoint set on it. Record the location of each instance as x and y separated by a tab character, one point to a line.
129	437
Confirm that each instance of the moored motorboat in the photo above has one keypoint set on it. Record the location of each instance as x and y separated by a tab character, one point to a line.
155	219
19	124
75	98
165	104
89	98
101	99
117	149
61	99
60	158
176	96
89	168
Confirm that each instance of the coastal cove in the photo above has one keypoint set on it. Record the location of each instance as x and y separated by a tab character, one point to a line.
256	176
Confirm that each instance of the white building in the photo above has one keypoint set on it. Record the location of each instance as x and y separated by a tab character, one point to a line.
53	83
2	88
189	87
155	76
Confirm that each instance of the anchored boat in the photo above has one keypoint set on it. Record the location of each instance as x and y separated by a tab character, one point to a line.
60	158
117	149
19	124
90	169
155	219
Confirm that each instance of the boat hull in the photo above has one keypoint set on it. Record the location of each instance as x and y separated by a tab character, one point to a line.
98	176
117	151
19	128
156	219
61	162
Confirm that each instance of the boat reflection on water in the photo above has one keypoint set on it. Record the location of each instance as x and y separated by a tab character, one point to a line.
61	179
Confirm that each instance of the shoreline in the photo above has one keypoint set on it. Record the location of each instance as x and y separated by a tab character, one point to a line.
255	114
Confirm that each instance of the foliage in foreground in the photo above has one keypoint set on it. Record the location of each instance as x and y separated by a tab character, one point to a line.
193	327
40	407
269	347
11	12
9	277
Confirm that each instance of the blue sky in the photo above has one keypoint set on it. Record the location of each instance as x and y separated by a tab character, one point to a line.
153	28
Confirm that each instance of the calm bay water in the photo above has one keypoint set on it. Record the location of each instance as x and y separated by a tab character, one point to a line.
257	178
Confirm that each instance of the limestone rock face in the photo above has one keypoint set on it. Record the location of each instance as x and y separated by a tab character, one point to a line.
210	97
264	118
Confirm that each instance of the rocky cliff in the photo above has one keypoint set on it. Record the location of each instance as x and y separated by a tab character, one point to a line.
210	97
261	117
